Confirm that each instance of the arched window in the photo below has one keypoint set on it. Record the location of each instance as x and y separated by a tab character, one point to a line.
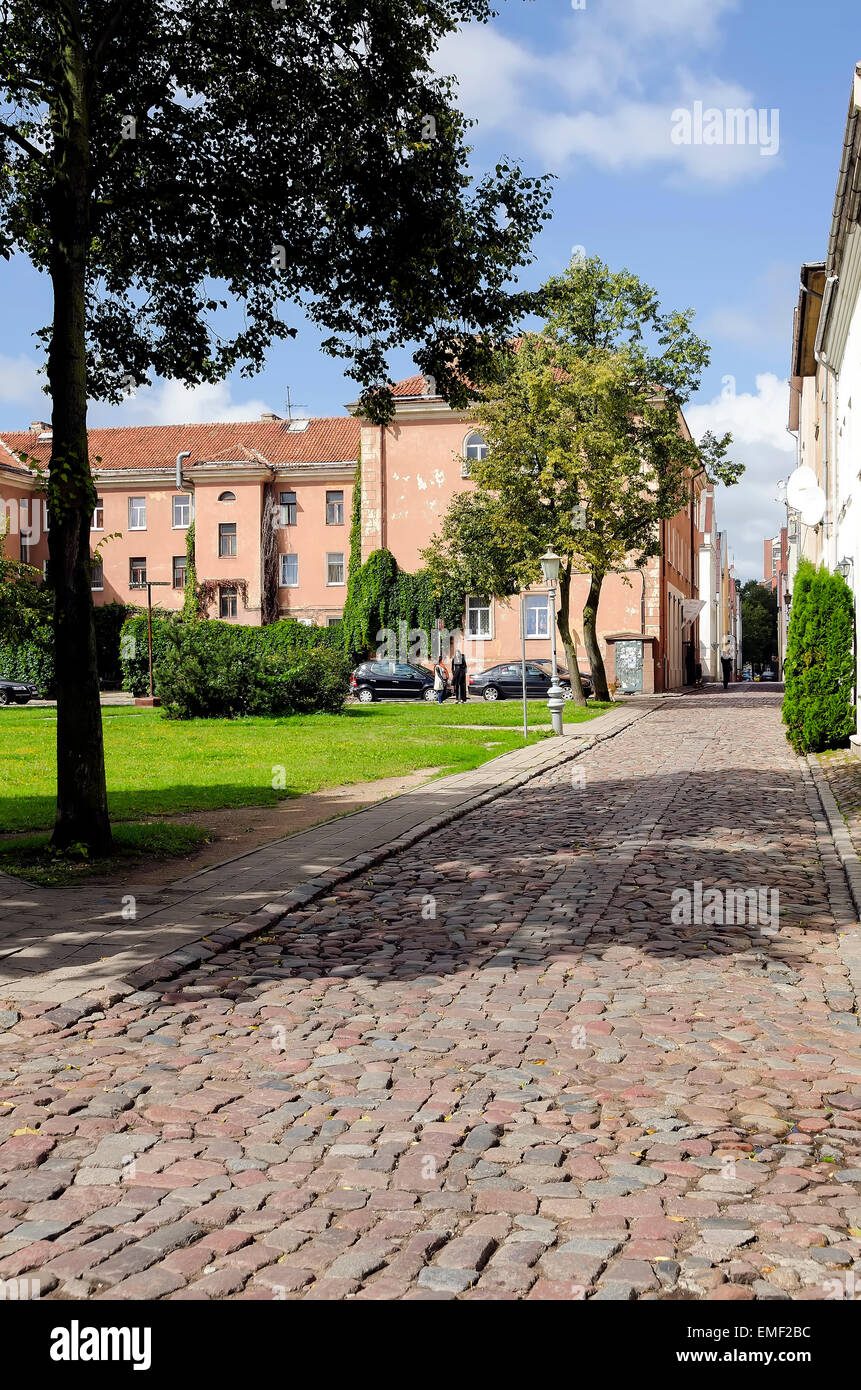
227	497
474	449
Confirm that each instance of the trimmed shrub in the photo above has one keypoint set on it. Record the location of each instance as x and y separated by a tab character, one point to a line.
210	669
818	706
134	656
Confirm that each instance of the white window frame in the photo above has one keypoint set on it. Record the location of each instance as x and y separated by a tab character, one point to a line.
179	588
94	564
468	459
335	507
476	604
535	604
185	499
132	502
282	569
98	520
137	581
228	591
337	555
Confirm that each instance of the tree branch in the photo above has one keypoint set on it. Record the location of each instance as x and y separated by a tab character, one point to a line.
109	31
31	150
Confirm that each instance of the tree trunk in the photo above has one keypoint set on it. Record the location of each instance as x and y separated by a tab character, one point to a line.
82	803
563	623
590	636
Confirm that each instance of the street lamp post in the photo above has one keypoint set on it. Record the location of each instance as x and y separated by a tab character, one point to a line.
555	695
149	584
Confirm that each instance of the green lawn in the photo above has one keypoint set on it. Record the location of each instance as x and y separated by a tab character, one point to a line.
158	766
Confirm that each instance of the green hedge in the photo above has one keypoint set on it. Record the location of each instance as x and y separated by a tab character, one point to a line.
818	705
210	669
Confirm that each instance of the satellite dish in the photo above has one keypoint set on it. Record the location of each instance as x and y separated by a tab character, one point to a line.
799	484
813	507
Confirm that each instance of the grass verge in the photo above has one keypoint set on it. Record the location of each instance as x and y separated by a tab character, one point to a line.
30	856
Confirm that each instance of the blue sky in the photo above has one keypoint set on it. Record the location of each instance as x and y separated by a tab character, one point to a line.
589	94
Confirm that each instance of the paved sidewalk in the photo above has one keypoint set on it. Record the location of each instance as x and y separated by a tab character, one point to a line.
511	1061
60	944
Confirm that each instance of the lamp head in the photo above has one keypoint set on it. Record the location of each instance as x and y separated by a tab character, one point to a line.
550	567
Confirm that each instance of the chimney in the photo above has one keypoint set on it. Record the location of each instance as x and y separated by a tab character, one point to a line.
267	415
39	427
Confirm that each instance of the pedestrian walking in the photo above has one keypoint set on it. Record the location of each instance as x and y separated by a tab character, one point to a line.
726	666
458	676
440	681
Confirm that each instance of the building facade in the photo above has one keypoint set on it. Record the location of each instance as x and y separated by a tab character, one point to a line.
825	395
271	504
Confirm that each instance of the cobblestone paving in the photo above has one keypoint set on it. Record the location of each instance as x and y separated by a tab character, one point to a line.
843	770
494	1068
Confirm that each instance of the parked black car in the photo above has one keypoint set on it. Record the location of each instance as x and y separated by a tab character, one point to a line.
505	681
17	692
392	680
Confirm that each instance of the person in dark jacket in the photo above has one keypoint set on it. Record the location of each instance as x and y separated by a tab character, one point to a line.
726	666
458	676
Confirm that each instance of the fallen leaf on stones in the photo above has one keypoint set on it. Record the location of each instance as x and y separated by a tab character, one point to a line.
25	1130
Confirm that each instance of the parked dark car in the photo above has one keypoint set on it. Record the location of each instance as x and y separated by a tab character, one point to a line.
17	692
504	682
769	674
391	680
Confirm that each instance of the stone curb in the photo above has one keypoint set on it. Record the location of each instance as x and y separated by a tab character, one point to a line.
263	918
850	940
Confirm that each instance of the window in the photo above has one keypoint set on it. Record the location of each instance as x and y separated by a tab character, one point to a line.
287	501
97	574
98	521
333	622
227	496
335	568
182	511
537	617
227	538
227	602
474	449
137	570
334	508
478	617
180	567
24	548
289	571
137	513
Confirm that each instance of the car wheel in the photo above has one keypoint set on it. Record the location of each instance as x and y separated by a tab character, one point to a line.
429	694
5	697
491	692
365	695
567	693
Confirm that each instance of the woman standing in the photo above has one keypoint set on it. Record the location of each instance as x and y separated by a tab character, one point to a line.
440	681
458	676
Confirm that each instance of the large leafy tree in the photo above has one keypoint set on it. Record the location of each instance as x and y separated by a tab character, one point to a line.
759	623
587	450
165	160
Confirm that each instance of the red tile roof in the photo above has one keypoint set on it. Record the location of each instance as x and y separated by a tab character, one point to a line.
326	440
411	386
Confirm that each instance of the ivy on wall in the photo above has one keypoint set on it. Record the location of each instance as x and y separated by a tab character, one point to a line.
381	596
191	602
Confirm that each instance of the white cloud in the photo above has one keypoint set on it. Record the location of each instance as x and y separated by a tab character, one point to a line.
608	94
172	403
765	316
751	419
750	511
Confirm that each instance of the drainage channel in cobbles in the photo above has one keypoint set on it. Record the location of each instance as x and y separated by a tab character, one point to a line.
528	1057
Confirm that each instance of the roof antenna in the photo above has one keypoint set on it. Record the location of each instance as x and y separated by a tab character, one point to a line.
290	405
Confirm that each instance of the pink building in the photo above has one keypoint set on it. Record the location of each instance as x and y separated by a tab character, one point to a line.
271	503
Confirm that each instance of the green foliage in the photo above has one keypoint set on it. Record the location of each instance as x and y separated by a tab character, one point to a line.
109	619
381	596
355	559
759	623
209	669
134	653
818	706
278	645
191	602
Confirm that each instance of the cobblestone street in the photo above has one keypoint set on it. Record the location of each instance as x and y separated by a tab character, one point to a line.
503	1064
